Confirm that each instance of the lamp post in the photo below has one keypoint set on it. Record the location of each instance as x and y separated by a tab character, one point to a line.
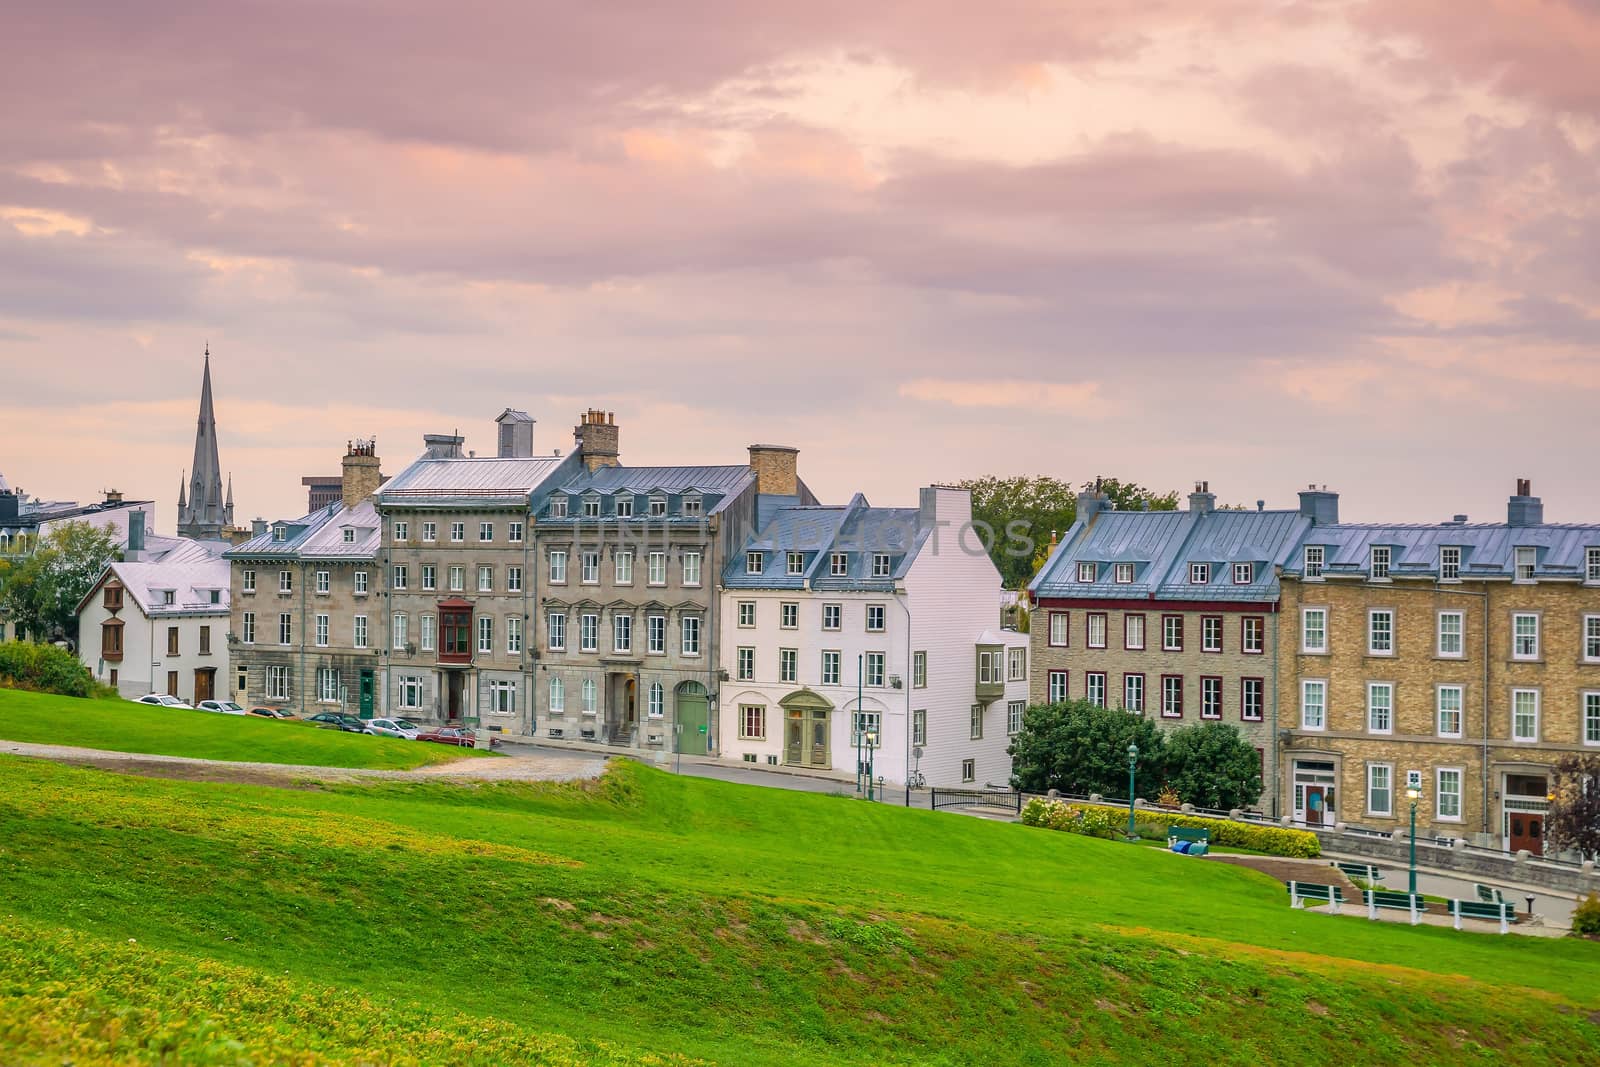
1413	795
872	743
1133	763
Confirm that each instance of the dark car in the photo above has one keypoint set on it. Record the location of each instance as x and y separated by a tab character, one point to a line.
271	713
455	735
333	720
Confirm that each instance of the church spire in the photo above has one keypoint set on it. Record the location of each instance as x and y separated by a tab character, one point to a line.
205	516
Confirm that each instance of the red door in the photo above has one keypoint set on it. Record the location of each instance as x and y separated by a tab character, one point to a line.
1526	831
1316	805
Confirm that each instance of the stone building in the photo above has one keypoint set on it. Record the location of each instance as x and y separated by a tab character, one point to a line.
1460	659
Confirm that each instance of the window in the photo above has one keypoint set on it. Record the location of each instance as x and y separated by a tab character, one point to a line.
788	664
358	581
692	505
1591	564
1124	574
1313	561
1133	693
621	632
1447	791
322	631
745	664
1379	562
169	596
1211	698
591	507
969	770
1172	633
285	581
1014	712
360	631
880	565
323	585
172	641
458	531
795	564
1252	699
513	635
485	579
430	577
247	581
1448	700
1591	638
875	618
430	531
919	670
588	632
1313	629
514	532
1016	665
1380	632
277	683
1172	696
402	530
862	724
1252	635
410	691
1211	633
754	562
747	614
691	568
1057	686
1199	573
1380	708
753	722
1058	629
830	667
111	638
1380	789
1133	633
285	629
502	698
839	565
1524	636
280	533
656	707
558	567
1095	629
656	573
589	567
327	685
655	627
919	727
1591	718
989	668
558	507
1087	572
1244	573
249	627
1449	563
588	693
1527	561
1524	715
622	567
875	669
458	579
400	576
513	579
789	617
623	506
832	616
556	624
1313	705
1095	688
485	635
975	730
691	635
425	637
558	696
349	535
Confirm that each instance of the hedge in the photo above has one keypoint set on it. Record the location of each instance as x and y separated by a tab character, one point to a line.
1098	821
44	669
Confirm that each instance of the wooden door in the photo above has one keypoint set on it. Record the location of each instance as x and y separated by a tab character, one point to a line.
204	685
1316	805
819	739
794	736
1525	830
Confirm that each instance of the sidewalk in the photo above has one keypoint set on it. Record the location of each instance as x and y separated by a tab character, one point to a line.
1554	907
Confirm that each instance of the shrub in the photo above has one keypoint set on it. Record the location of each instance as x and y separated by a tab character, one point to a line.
1071	818
1099	821
44	669
1586	916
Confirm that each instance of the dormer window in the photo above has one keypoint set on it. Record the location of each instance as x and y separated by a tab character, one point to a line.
349	535
796	564
1244	573
1199	574
1591	564
280	533
839	565
624	506
658	506
169	596
691	504
1124	574
754	562
1527	560
1450	563
880	565
558	507
1314	559
1086	572
1379	562
591	507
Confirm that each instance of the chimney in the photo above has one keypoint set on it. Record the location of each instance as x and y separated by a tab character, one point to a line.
1524	509
442	445
361	476
135	550
515	434
10	506
776	468
596	438
1091	502
1202	501
258	527
113	497
1319	505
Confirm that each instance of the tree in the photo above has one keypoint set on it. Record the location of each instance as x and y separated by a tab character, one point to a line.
1211	765
1080	748
1573	821
41	593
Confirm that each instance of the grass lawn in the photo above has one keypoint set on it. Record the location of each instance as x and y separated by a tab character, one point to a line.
124	726
642	918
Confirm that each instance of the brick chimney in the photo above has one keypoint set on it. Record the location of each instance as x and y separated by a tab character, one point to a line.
596	438
777	469
1524	509
361	476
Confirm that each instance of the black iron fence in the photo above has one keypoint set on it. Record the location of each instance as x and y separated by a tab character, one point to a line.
1004	799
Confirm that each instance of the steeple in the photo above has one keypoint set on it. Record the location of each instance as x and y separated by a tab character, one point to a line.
205	513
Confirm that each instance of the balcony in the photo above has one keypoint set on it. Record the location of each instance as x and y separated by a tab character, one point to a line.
455	632
991	673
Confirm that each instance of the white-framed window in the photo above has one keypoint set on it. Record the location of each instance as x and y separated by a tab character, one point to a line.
286	629
1087	572
1380	789
1314	557
788	664
430	577
513	635
1210	697
1133	632
513	579
1447	794
975	720
322	631
830	666
558	507
1449	563
691	568
588	632
754	562
622	567
555	624
458	579
655	628
589	692
324	584
745	664
690	635
861	724
1058	629
430	531
789	616
1527	562
874	669
1094	684
989	668
1057	686
558	696
1211	633
622	506
277	683
1123	573
1133	693
514	532
425	633
1014	712
591	507
1095	629
1380	707
752	722
656	706
1313	704
656	568
1016	665
1449	703
1244	573
832	616
658	506
747	614
485	579
1313	629
359	583
399	576
1252	699
838	565
1591	564
1380	632
485	531
1452	634
1591	638
919	726
502	697
795	564
1378	562
485	635
247	581
692	504
880	565
1591	717
969	770
359	631
874	618
400	626
1172	696
621	632
1199	574
589	567
1524	715
1524	636
286	581
1172	633
558	567
458	532
410	691
280	533
1252	635
919	670
249	628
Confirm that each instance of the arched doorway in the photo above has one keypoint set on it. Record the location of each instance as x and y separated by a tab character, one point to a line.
807	719
693	715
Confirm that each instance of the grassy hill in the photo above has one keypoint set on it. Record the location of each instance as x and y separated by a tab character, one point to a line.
124	726
642	918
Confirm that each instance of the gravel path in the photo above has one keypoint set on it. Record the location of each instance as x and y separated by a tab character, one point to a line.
540	768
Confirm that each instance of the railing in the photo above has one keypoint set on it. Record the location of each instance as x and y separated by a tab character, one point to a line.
943	799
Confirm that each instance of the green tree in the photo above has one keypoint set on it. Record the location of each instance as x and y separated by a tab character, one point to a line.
1081	748
42	592
1211	765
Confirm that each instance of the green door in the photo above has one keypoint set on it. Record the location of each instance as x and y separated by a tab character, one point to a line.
366	694
692	722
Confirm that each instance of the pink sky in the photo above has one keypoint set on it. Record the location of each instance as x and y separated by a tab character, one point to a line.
1258	243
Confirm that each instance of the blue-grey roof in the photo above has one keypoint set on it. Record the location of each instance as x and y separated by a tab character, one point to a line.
296	533
468	480
717	486
858	531
1488	550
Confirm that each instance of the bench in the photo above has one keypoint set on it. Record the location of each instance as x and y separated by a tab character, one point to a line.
1188	837
1367	872
1300	892
1487	894
1503	911
1383	898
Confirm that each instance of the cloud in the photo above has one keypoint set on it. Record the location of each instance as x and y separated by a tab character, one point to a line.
1081	399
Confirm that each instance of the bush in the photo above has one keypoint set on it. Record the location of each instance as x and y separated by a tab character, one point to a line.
1071	818
44	669
1586	916
1098	821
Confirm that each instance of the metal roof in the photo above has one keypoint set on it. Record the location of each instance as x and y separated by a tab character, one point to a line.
724	479
436	480
327	540
1488	550
190	570
296	532
857	530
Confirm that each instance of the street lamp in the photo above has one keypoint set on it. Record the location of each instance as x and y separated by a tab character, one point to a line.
872	743
1133	763
1413	794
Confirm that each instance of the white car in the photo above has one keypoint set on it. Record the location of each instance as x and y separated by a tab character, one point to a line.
402	728
162	700
221	707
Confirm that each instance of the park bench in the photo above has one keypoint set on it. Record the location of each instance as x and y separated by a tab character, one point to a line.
1383	898
1184	839
1367	872
1487	894
1300	892
1502	911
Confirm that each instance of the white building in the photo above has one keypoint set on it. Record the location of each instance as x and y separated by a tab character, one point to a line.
841	623
158	622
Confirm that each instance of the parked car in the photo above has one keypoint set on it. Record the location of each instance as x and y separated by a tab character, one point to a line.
334	720
163	700
393	728
221	707
272	713
455	735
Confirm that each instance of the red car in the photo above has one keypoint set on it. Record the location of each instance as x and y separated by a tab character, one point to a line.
455	735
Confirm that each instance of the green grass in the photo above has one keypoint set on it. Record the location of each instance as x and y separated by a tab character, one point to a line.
644	915
117	725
